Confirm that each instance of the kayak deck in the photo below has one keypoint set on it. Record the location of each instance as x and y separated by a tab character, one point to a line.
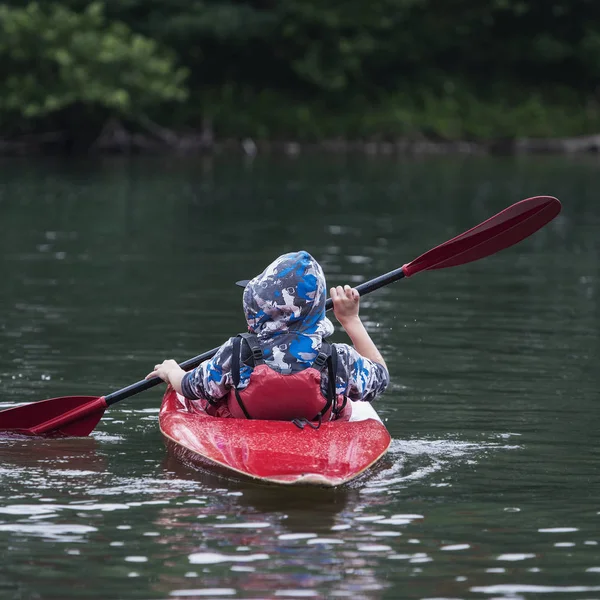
275	451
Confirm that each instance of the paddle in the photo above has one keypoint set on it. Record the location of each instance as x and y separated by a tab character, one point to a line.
78	415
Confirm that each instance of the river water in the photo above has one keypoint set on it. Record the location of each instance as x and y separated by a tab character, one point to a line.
491	487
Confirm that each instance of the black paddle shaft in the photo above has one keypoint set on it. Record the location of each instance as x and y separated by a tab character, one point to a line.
192	363
146	384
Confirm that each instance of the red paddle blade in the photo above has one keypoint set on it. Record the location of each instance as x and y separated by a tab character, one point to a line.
505	229
57	417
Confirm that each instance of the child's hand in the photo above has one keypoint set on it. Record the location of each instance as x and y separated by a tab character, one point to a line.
166	371
346	301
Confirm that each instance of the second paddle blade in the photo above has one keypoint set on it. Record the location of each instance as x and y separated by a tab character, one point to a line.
36	418
501	231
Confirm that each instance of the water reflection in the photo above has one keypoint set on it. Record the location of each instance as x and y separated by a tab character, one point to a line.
270	539
490	488
67	456
300	506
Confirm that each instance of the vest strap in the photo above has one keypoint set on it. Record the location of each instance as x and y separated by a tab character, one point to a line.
321	360
337	410
235	371
257	353
301	423
327	358
324	354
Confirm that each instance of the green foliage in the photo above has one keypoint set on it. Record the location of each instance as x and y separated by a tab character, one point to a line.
328	44
54	58
309	69
459	114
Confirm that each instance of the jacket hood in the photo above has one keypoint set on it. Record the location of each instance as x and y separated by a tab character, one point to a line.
288	297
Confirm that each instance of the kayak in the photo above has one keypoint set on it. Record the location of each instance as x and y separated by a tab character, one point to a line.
274	451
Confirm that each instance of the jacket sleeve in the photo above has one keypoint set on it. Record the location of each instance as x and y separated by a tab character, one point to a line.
358	377
211	379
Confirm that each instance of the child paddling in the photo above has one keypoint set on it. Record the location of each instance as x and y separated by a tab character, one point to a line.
283	368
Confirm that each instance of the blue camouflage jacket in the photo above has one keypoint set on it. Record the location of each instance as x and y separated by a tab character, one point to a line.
285	308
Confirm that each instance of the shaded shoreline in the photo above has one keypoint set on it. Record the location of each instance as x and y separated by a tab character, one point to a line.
117	139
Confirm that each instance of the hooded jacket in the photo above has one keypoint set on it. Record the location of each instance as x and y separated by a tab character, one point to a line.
285	308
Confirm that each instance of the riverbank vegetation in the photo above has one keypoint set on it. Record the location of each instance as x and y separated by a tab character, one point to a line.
187	74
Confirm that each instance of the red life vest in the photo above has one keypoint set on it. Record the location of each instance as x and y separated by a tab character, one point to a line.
273	396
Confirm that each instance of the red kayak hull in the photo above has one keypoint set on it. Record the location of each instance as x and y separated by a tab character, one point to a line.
274	451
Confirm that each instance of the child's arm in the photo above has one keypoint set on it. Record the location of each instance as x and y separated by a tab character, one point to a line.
346	302
211	379
170	372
